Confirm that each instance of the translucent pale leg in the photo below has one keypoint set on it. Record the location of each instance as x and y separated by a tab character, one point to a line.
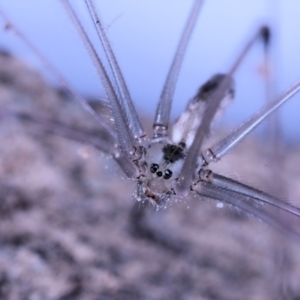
245	203
218	150
56	73
132	119
185	177
162	115
235	186
107	146
125	139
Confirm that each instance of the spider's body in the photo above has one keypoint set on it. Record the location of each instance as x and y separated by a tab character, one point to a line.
164	158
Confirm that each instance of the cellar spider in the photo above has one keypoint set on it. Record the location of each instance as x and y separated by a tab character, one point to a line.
172	164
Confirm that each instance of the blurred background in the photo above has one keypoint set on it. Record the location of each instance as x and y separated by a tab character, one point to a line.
144	35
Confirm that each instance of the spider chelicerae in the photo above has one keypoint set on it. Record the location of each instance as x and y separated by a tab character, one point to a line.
171	164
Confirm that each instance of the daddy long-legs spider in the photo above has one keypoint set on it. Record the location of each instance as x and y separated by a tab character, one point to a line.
81	248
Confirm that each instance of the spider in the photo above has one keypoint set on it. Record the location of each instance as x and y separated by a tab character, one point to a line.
172	164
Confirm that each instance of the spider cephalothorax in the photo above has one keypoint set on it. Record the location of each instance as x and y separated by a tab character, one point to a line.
162	162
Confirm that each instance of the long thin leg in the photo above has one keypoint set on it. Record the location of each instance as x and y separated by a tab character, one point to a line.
57	128
218	150
235	186
245	203
56	73
125	139
122	159
132	119
185	177
162	115
98	142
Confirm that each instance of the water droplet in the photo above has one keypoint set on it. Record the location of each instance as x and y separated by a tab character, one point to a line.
220	205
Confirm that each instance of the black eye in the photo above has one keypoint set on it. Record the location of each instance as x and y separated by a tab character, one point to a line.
159	173
167	174
182	144
154	168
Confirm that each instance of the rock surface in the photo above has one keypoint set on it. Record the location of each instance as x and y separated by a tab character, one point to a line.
70	228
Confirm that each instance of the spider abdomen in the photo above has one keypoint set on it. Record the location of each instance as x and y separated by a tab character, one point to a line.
184	129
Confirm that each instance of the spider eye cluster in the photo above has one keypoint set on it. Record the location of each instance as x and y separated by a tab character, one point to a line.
167	173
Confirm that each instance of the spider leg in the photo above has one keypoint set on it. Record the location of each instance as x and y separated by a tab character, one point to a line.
185	177
270	82
125	138
60	129
132	119
235	186
120	157
105	145
262	34
162	115
86	106
218	150
245	203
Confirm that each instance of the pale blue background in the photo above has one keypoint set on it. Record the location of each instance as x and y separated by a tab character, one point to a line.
144	35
